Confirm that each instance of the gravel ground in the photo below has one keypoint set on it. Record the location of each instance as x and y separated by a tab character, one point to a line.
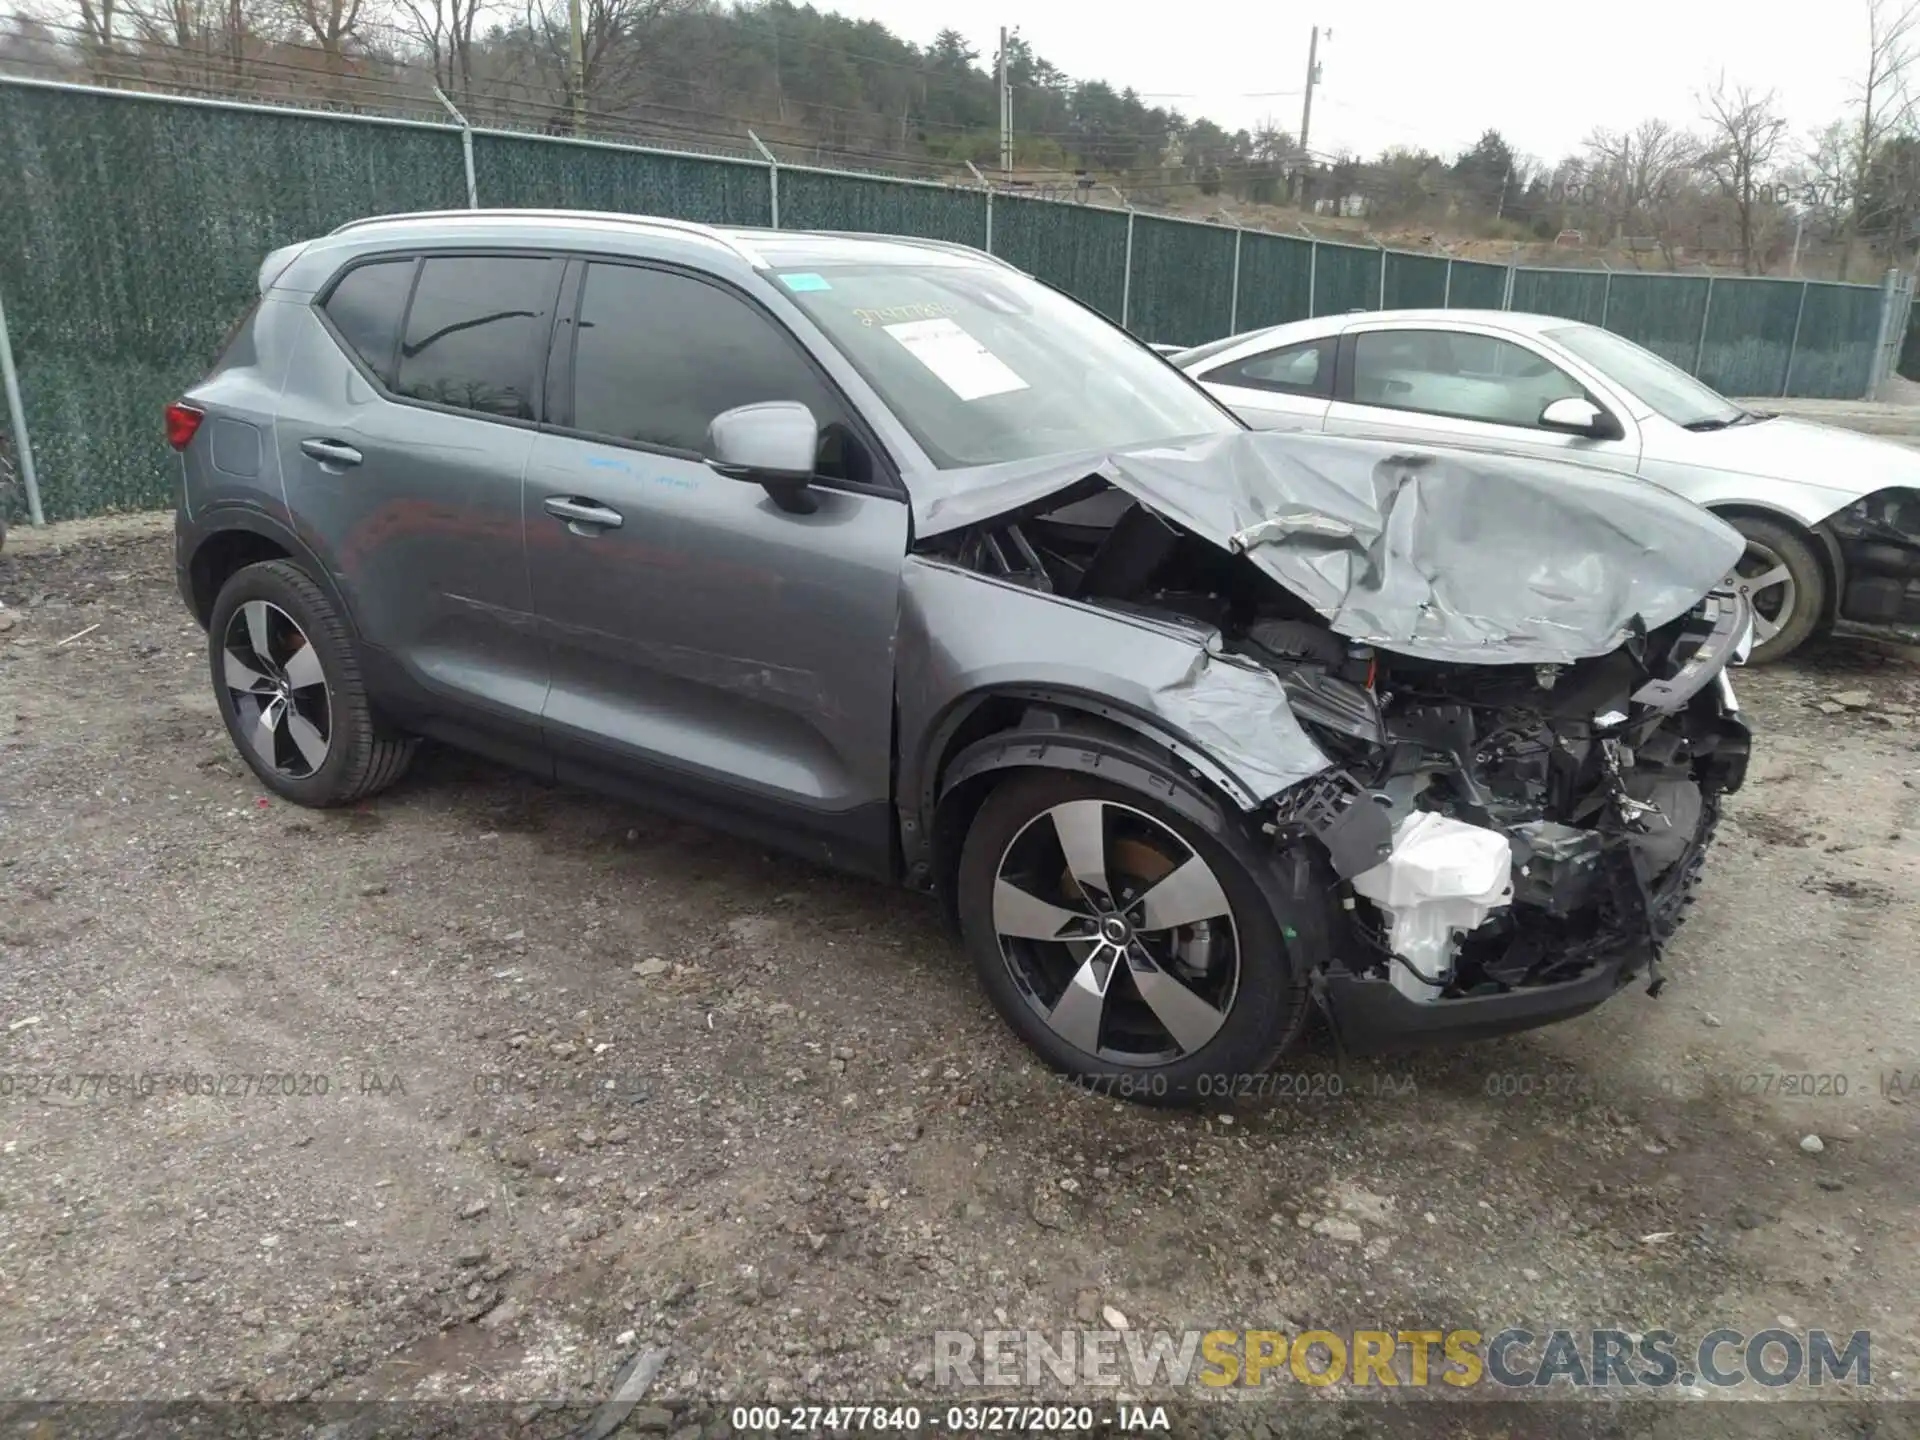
596	1083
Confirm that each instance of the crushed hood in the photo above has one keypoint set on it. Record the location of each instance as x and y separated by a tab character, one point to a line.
1441	554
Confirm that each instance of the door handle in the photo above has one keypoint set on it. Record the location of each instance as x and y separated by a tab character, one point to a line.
331	452
583	512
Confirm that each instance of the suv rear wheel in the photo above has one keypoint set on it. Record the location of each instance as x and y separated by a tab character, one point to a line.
1125	944
289	689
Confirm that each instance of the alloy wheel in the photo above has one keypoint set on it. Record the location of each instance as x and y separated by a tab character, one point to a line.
1117	932
1763	577
279	693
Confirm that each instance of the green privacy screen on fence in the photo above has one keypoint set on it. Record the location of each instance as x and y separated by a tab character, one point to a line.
1276	275
131	237
1834	355
1345	277
1662	312
1749	334
1476	285
1082	251
1571	294
132	228
811	200
528	173
1415	282
1182	291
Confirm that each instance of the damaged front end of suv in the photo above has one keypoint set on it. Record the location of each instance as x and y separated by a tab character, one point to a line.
1475	708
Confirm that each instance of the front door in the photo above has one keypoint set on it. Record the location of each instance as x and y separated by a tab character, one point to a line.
721	651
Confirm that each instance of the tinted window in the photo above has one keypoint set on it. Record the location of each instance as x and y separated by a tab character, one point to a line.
476	331
659	355
1442	372
1305	369
366	307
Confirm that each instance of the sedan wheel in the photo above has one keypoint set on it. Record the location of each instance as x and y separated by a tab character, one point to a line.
1768	584
1782	578
1125	942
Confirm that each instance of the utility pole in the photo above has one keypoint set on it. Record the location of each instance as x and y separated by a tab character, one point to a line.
1006	112
1306	106
1500	207
1799	227
579	85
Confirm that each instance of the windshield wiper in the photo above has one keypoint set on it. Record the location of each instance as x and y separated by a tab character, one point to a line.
1722	422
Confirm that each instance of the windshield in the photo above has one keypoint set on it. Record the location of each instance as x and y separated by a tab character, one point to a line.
984	365
1668	390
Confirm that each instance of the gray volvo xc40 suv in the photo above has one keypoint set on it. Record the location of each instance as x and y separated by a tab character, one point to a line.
884	552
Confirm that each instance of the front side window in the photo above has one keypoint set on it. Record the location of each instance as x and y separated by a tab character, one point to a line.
984	365
1452	373
660	354
1304	369
475	333
365	308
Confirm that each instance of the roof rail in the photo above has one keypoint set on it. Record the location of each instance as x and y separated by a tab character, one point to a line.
949	246
653	222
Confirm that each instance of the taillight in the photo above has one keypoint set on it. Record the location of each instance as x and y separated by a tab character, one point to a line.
183	422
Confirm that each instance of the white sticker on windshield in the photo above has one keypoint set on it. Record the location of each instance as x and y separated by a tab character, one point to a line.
962	363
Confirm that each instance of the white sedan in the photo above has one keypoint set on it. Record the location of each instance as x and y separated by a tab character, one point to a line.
1832	518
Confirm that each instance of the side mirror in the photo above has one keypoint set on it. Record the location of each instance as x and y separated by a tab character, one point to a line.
773	445
1575	416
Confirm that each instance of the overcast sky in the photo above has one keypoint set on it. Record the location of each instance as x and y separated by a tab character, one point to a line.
1410	72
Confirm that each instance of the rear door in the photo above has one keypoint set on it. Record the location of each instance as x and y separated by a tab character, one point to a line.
1285	388
404	431
703	642
1463	388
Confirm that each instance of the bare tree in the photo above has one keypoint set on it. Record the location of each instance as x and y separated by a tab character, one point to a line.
200	43
334	26
1886	101
1638	173
97	37
445	28
1739	156
613	36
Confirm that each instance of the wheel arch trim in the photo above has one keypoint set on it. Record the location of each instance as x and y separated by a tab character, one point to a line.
209	525
1049	740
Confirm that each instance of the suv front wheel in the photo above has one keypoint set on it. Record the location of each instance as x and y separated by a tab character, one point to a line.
289	688
1129	947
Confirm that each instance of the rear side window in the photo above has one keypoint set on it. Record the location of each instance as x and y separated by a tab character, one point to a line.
660	354
476	331
366	307
1305	369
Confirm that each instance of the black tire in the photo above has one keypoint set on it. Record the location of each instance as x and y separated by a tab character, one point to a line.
1772	542
362	757
1269	1005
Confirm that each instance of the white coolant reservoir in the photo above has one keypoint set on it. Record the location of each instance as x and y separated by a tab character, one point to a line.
1443	878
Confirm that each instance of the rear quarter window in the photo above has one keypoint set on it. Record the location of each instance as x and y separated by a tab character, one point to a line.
366	306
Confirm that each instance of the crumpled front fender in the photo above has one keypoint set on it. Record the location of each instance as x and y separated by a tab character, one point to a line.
963	635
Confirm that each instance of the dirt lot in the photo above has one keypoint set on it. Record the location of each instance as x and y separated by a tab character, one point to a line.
597	1083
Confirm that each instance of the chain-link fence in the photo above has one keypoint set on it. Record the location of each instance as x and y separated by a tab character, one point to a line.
134	225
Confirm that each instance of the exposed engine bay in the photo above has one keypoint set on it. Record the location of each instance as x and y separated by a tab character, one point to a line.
1483	828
